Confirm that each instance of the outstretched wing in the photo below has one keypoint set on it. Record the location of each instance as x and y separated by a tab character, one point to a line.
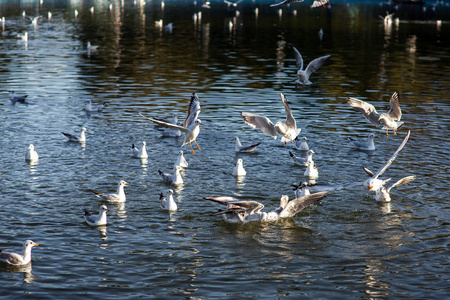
250	207
290	121
368	110
165	124
315	64
395	113
402	182
296	205
221	199
193	111
394	156
298	59
260	122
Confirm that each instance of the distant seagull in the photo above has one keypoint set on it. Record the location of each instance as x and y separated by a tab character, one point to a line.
172	179
49	15
96	220
302	161
238	169
34	21
168	203
91	48
91	10
244	149
31	154
181	161
206	4
301	190
320	34
314	65
368	145
285	2
288	128
18	259
15	98
301	144
75	138
139	153
318	3
373	183
191	126
23	37
94	108
159	23
383	194
168	28
391	119
75	13
311	171
388	18
117	197
230	3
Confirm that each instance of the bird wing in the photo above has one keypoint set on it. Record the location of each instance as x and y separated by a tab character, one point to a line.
395	112
315	64
394	156
290	121
165	124
298	59
71	136
193	111
260	122
402	181
250	207
296	205
12	258
221	199
367	109
368	172
249	148
281	3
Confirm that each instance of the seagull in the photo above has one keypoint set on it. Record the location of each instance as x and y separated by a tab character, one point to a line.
172	179
167	132
285	2
302	190
34	20
15	98
142	154
96	220
314	65
76	138
244	149
241	211
118	196
238	169
191	126
311	171
31	154
18	259
181	161
301	144
383	194
317	3
94	108
287	128
303	161
168	204
23	37
369	145
91	48
374	183
206	4
390	119
387	19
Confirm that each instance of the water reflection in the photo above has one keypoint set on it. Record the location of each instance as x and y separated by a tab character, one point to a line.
28	277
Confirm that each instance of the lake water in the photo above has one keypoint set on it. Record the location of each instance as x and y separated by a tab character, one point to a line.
348	246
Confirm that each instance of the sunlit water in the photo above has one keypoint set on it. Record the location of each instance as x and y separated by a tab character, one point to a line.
348	246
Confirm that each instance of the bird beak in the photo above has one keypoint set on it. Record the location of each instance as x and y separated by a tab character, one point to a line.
126	183
201	123
36	244
370	187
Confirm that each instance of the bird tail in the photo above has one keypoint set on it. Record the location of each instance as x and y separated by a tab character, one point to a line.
86	213
292	154
97	193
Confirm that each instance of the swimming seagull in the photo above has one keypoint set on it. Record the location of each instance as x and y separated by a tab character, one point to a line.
181	161
238	169
368	145
142	153
288	128
311	171
23	37
374	183
301	144
303	161
15	98
31	154
96	220
94	108
172	179
241	211
18	259
314	65
118	196
167	203
245	149
191	126
390	119
301	190
75	138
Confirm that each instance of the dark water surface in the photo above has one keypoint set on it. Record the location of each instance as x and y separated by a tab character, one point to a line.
348	246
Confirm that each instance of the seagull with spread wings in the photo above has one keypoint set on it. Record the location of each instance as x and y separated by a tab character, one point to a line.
314	65
191	126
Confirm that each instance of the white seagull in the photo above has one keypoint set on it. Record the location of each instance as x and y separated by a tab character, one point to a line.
191	126
301	144
18	259
75	138
238	169
384	195
368	145
96	220
118	196
142	153
374	183
241	211
311	171
390	119
244	149
301	190
181	161
23	37
31	154
288	128
172	179
318	3
314	65
15	98
303	161
94	108
168	203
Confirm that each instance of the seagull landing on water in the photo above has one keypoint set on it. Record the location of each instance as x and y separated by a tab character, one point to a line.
390	119
314	65
18	259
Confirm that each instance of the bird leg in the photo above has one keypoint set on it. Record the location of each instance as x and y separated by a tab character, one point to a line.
197	145
387	134
192	149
